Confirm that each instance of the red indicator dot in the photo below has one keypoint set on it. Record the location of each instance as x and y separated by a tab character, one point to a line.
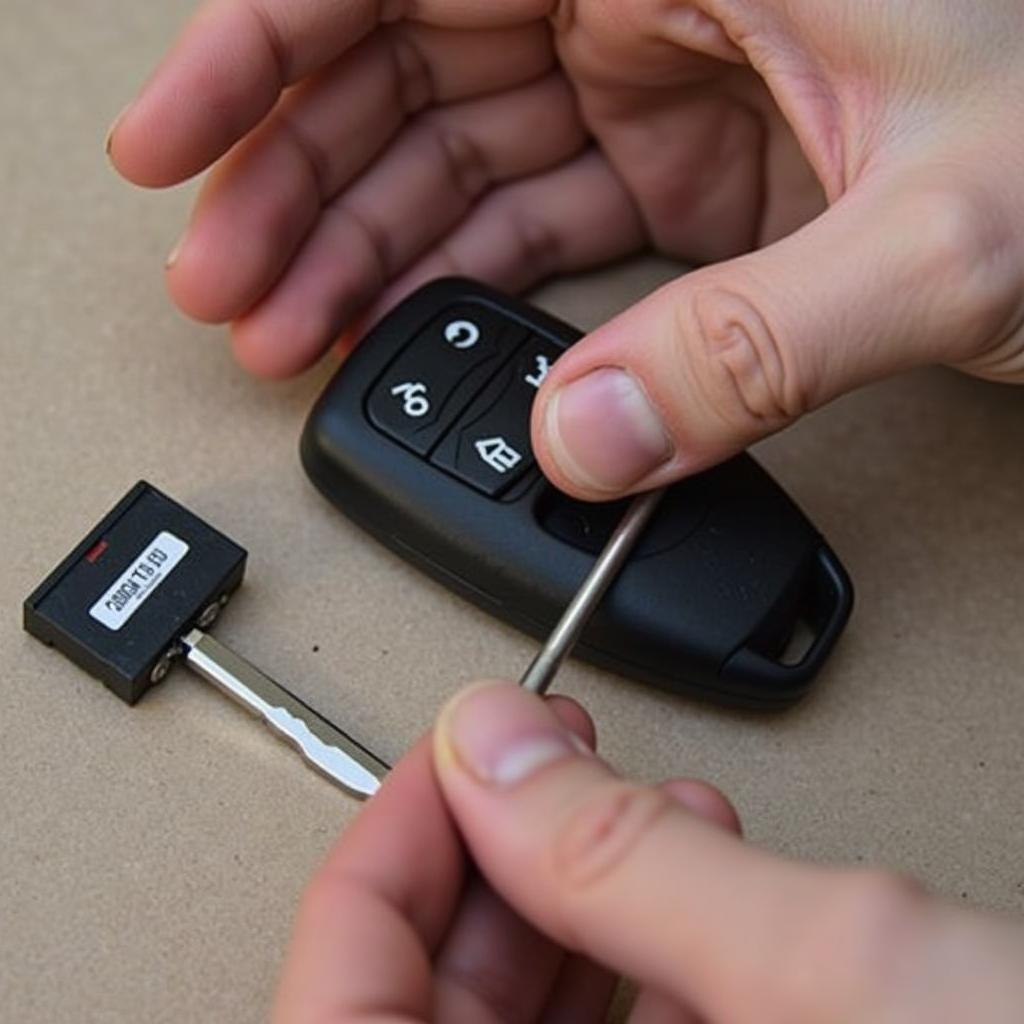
93	554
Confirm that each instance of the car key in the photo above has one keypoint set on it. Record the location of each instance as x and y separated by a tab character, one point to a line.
139	592
422	438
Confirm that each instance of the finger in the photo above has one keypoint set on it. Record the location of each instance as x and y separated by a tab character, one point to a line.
495	967
234	58
584	989
582	993
626	876
706	802
264	197
571	218
412	196
374	912
653	1007
492	965
576	719
574	216
896	274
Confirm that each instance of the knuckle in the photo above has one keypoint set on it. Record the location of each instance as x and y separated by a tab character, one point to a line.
857	944
414	83
1002	362
493	983
967	261
535	244
874	909
600	835
462	157
950	225
744	361
273	38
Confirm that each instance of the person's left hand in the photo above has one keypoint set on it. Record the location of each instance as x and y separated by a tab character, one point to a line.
397	926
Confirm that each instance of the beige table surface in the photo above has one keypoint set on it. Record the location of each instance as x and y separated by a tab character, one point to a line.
150	858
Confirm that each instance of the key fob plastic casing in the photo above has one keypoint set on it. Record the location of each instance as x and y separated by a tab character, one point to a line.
422	438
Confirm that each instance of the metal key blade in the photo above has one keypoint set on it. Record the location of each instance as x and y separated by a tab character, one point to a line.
538	677
321	744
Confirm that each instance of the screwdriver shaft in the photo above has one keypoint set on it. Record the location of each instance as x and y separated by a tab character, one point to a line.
541	672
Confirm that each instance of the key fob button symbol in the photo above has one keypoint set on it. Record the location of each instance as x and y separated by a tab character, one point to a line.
542	364
489	446
442	369
413	397
462	334
498	454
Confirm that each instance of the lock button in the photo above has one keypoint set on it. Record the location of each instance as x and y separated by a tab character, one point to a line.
428	384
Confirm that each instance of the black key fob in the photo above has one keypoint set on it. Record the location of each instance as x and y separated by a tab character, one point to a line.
422	438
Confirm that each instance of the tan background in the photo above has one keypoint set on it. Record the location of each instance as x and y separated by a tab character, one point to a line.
151	857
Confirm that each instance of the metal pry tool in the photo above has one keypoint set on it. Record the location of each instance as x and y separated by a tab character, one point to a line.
541	671
137	594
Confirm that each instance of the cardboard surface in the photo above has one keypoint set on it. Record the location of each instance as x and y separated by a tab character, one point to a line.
152	857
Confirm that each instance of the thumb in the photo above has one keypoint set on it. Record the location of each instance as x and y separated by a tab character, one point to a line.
890	277
624	874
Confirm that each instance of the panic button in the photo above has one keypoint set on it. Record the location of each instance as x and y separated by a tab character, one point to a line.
423	391
489	446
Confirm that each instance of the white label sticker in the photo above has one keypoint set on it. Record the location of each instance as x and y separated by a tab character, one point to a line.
126	596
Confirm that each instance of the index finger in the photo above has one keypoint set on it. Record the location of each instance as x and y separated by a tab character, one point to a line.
233	59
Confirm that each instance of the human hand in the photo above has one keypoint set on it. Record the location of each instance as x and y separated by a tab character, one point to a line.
620	878
398	925
865	151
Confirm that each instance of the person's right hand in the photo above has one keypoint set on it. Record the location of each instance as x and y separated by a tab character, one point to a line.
856	169
711	928
517	876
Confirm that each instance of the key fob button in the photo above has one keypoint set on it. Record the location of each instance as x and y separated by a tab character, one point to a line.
588	526
489	446
425	387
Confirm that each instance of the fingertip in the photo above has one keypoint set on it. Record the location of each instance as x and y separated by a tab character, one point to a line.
202	295
214	84
274	351
108	142
259	355
576	718
494	735
135	147
596	432
348	338
623	412
604	432
706	801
